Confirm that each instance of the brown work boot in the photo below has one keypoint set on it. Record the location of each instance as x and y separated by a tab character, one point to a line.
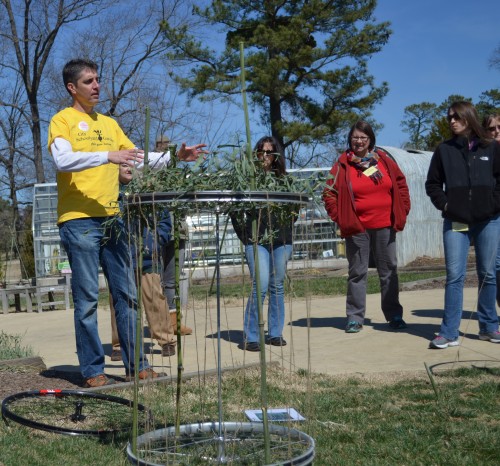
168	350
99	381
184	330
147	373
116	355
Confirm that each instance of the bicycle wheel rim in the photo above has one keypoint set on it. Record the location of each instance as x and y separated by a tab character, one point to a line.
162	446
98	415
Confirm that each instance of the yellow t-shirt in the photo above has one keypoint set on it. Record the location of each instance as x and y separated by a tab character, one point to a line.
92	192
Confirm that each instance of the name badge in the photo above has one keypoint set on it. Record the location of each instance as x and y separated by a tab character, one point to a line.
458	226
370	171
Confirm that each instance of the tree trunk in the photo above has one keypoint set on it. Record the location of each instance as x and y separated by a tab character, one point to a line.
276	119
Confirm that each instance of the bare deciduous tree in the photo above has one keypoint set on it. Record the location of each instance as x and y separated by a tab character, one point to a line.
495	58
131	53
28	31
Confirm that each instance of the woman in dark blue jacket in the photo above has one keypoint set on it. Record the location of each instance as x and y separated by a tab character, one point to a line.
464	183
274	249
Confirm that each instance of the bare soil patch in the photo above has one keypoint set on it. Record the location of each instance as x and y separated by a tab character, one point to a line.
15	380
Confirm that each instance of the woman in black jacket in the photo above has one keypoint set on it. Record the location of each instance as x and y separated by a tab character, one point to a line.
464	183
491	124
274	249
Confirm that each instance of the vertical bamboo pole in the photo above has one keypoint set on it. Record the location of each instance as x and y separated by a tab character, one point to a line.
138	330
180	364
138	323
255	234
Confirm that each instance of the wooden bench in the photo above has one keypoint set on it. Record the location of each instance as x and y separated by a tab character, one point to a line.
17	291
62	284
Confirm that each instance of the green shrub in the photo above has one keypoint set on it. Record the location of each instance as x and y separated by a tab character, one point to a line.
11	347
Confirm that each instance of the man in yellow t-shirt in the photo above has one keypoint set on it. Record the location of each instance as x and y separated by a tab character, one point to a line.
87	148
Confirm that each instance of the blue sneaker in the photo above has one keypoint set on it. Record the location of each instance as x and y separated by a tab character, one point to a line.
441	343
353	327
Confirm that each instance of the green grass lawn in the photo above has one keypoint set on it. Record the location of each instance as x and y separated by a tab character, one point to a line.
307	285
354	420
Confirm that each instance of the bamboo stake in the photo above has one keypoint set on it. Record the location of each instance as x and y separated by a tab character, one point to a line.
138	323
180	366
255	234
138	330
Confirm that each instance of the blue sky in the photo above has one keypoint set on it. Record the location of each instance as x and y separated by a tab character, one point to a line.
438	48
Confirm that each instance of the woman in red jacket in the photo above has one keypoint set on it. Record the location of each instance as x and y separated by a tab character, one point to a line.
367	196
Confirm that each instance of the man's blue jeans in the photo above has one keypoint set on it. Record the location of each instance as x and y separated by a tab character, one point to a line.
88	243
272	271
456	247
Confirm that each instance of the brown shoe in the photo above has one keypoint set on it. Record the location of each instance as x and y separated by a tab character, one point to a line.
99	381
116	355
147	373
184	330
168	350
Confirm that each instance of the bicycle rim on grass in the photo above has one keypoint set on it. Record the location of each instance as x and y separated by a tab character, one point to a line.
240	444
72	412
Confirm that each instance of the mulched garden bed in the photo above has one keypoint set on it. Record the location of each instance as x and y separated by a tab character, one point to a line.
15	379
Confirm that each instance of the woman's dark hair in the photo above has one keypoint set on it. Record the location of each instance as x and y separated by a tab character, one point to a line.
468	113
278	166
364	127
488	119
73	69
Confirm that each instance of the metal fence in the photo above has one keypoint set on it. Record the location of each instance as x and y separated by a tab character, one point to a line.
315	234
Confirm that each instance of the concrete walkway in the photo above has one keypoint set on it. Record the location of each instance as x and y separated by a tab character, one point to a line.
315	336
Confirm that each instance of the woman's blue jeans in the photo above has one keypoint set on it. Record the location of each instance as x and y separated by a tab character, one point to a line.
88	243
498	274
272	271
456	247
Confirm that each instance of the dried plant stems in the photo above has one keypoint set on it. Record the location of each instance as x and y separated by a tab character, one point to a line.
258	291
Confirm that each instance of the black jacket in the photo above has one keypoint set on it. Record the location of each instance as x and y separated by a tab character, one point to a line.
272	230
465	184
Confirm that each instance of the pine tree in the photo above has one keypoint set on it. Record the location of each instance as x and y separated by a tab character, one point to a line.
306	62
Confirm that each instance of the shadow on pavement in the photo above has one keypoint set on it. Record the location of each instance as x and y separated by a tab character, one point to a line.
321	322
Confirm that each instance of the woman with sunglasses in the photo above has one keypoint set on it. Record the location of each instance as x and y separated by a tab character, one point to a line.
367	196
463	182
274	249
491	123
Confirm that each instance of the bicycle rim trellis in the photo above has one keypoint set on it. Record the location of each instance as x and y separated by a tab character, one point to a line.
219	437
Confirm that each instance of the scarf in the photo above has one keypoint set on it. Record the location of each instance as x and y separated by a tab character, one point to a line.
362	164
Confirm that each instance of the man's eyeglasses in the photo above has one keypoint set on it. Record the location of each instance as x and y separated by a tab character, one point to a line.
494	128
359	138
454	116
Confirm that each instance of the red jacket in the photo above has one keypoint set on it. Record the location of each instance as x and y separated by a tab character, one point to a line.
339	199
